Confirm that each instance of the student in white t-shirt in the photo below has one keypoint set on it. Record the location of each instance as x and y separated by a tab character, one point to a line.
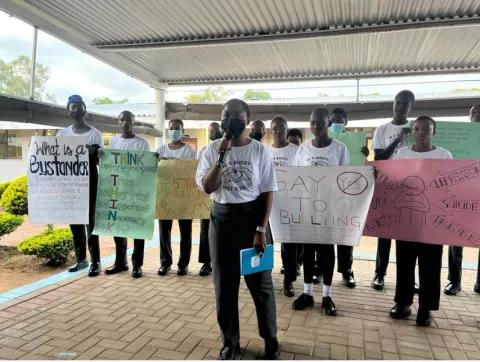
82	234
130	142
178	150
386	140
242	185
283	155
429	256
321	151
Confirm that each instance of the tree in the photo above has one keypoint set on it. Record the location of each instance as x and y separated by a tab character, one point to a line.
106	100
15	78
209	95
256	95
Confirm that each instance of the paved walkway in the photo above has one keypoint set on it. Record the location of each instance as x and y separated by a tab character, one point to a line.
116	317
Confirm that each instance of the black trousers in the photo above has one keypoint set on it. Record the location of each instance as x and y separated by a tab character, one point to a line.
455	258
121	246
429	269
325	254
289	252
383	256
166	242
344	258
82	234
204	248
232	228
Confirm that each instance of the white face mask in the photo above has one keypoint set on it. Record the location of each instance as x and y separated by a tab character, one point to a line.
175	134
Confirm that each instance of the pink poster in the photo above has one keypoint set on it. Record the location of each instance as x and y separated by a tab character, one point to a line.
433	201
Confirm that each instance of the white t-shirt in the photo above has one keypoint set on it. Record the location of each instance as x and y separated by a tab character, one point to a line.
94	136
200	152
185	152
385	134
248	172
335	154
130	144
406	153
283	156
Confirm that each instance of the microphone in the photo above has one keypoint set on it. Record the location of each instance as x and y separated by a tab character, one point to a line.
221	156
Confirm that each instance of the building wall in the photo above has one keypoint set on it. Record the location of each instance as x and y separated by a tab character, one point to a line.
13	168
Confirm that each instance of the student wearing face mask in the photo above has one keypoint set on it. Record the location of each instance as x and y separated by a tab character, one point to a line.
177	150
214	133
257	130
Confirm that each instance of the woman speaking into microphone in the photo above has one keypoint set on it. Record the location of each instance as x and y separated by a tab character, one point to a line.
239	173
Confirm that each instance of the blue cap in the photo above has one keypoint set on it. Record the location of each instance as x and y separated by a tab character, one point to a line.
75	99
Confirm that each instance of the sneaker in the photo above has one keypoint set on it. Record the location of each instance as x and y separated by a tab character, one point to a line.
303	301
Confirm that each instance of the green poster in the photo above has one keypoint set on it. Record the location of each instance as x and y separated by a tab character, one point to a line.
354	142
126	196
462	139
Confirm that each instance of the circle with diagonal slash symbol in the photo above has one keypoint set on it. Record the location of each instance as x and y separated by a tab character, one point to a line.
352	183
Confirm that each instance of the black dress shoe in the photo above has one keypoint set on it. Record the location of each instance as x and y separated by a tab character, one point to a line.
349	279
328	306
303	301
272	350
205	270
452	289
282	270
229	352
476	288
182	270
163	270
137	272
80	264
114	269
424	318
288	289
400	312
317	279
95	269
378	282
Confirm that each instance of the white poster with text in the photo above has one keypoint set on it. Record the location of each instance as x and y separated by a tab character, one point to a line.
321	205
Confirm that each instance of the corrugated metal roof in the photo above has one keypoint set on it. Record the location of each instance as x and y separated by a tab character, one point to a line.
184	41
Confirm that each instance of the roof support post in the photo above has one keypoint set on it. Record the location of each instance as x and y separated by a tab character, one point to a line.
358	90
160	112
34	63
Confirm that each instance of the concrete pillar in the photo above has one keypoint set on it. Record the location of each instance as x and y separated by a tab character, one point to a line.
160	112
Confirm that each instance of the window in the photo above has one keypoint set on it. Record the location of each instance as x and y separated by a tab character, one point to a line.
10	146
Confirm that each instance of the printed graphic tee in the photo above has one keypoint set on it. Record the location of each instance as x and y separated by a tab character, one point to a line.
94	136
283	156
335	154
185	152
129	144
247	172
386	134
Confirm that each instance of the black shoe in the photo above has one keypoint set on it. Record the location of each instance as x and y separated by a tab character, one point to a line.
328	306
272	350
317	279
95	269
452	289
416	289
378	282
229	352
400	312
349	279
424	318
288	289
114	269
137	272
476	288
205	270
298	271
163	270
182	270
81	264
303	301
282	270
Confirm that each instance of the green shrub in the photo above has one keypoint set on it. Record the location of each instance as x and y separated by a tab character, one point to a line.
54	245
14	198
3	186
9	222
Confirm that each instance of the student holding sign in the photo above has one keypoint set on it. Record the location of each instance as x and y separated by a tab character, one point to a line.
386	140
83	233
179	150
429	255
455	253
238	172
321	151
130	142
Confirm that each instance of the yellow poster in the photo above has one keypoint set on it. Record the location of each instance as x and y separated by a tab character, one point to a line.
178	196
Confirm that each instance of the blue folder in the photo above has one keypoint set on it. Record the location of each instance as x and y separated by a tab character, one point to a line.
251	262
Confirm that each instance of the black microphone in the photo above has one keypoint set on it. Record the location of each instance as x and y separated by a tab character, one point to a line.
221	156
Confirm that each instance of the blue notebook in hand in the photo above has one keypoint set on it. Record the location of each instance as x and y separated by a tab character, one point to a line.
251	262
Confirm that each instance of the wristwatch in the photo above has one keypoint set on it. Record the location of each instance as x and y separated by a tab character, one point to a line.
261	229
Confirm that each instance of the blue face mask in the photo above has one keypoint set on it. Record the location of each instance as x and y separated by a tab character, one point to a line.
175	134
336	128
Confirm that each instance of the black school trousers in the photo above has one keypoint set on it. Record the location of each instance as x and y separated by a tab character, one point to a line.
232	228
165	227
455	258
